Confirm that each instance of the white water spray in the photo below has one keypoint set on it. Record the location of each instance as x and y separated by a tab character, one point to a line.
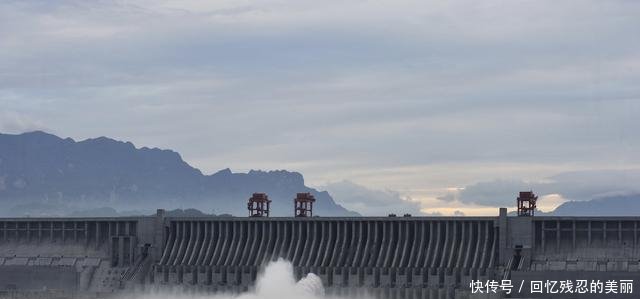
277	281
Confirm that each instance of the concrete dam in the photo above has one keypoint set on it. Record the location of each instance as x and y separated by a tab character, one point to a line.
386	257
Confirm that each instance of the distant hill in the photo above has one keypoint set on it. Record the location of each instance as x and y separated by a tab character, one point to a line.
42	174
614	205
620	205
110	212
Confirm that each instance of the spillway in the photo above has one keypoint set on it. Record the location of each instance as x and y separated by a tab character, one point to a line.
386	257
374	253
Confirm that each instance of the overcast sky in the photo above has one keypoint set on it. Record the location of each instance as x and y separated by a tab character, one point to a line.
418	97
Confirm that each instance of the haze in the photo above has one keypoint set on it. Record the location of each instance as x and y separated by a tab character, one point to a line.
420	99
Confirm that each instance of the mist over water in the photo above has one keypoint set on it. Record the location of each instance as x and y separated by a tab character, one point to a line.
277	281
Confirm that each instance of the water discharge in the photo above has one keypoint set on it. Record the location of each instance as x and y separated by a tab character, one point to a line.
277	281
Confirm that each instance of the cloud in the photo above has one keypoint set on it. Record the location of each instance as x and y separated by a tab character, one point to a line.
336	89
575	186
458	213
13	122
370	202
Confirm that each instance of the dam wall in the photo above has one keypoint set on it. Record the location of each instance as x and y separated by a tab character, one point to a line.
574	248
373	253
90	254
26	239
390	257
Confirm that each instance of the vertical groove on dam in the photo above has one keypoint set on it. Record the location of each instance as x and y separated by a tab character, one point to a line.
351	253
390	257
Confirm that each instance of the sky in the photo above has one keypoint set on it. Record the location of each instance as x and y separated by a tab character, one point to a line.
426	101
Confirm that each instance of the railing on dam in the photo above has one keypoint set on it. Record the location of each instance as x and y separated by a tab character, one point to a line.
586	244
54	238
354	252
411	257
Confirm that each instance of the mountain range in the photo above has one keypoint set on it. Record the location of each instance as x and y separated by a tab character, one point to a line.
614	205
45	175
